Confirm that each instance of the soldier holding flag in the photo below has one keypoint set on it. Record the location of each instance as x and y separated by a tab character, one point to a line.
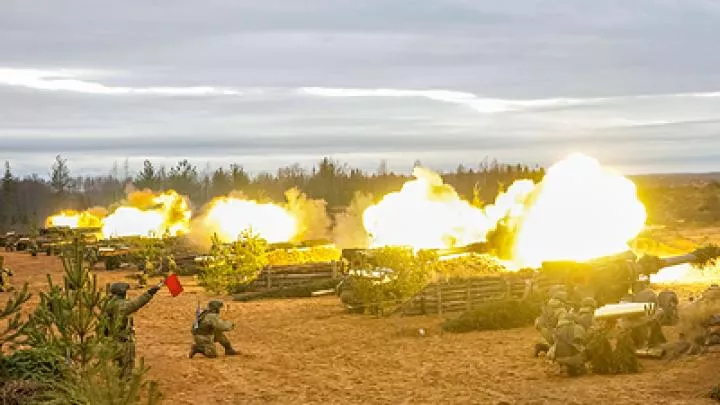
119	311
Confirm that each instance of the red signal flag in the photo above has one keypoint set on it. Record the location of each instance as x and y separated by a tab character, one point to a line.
173	284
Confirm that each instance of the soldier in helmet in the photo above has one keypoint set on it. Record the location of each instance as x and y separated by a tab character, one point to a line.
209	329
569	347
143	276
119	312
547	320
586	313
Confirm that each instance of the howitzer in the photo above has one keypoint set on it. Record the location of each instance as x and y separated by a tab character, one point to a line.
359	257
304	244
610	279
52	240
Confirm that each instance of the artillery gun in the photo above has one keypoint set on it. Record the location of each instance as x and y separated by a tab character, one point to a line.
362	266
361	257
611	279
112	252
620	286
12	241
53	240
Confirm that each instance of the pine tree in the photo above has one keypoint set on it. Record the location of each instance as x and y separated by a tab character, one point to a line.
10	317
70	321
147	178
60	179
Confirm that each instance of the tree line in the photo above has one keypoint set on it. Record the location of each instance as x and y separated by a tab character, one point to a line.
27	201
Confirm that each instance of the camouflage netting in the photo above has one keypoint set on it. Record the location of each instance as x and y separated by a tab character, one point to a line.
314	254
494	316
300	291
624	355
707	255
600	353
469	266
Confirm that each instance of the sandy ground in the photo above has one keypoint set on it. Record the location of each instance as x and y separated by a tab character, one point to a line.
311	351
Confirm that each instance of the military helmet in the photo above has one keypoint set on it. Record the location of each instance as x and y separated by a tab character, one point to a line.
119	289
562	316
559	295
215	305
588	302
555	303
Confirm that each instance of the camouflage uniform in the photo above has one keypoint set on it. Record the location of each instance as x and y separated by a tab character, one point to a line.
569	348
119	310
586	314
209	328
5	274
33	248
143	276
547	321
172	266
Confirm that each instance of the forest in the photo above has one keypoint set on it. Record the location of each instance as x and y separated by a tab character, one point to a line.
27	201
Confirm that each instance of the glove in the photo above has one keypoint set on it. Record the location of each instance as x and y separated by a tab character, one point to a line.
153	290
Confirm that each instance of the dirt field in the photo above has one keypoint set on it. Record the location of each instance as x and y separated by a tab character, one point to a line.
310	351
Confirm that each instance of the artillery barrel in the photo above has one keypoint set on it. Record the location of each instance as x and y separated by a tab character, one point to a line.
675	260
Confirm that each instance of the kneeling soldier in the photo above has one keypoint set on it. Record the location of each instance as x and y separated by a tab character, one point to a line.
208	329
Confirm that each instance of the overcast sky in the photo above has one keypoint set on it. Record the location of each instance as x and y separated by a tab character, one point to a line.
269	83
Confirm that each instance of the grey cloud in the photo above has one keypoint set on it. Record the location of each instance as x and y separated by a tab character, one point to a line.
602	56
510	49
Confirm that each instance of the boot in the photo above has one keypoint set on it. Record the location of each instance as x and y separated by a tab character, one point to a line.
194	350
229	351
541	348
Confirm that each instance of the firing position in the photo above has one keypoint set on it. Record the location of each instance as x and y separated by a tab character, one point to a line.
208	329
119	312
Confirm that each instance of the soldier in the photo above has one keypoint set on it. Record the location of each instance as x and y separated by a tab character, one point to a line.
33	248
208	329
547	321
586	314
119	310
5	275
643	293
569	347
172	266
147	269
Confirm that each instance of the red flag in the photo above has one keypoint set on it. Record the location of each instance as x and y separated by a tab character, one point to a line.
173	284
